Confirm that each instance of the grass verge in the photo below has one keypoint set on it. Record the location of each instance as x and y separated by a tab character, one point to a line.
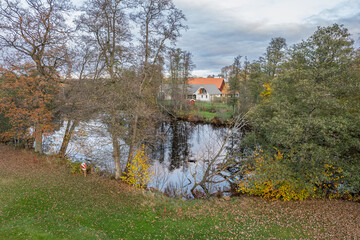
43	200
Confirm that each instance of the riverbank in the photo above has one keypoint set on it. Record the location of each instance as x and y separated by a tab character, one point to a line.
40	198
215	113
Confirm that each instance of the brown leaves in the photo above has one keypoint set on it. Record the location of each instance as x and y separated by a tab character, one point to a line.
26	99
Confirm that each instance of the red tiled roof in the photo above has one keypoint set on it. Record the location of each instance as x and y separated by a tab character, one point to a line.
218	82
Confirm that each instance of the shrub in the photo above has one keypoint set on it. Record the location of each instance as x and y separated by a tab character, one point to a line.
139	174
275	178
75	167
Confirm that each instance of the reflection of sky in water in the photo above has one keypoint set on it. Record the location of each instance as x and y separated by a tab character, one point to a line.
91	142
183	141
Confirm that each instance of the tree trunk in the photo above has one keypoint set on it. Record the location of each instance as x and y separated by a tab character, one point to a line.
132	143
116	155
38	141
67	136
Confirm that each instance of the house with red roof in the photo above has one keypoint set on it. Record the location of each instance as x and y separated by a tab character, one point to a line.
199	89
218	82
206	89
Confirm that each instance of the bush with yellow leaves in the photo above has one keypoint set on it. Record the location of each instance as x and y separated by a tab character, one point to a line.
139	174
274	178
266	93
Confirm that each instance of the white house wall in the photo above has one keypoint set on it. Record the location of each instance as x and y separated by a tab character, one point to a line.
202	97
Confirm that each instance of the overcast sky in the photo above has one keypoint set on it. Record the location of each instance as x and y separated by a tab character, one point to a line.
219	30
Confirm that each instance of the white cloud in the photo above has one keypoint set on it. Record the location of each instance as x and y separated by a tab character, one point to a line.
269	11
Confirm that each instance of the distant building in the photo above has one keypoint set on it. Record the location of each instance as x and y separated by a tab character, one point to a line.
206	92
199	89
218	82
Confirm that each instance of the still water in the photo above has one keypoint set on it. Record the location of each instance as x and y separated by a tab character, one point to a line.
179	152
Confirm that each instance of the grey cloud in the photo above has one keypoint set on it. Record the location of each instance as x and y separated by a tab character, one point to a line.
336	15
215	39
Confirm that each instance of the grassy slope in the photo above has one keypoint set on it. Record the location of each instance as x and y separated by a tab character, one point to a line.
210	110
207	110
43	201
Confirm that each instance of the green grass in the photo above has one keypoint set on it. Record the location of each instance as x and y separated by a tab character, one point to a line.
209	110
48	202
214	105
81	209
207	115
206	110
66	206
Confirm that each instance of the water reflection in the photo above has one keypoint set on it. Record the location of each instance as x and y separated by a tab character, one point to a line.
179	147
182	142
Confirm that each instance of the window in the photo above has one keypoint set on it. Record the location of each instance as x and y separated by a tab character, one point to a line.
202	91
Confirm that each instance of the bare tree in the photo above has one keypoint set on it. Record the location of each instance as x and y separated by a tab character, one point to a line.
105	26
86	64
180	66
160	22
210	167
226	72
37	32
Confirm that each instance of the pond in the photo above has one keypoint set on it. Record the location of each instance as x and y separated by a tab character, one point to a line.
180	154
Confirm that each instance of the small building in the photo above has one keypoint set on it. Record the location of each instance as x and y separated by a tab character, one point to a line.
196	92
218	82
205	93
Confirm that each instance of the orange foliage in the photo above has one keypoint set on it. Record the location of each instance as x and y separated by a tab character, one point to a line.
26	99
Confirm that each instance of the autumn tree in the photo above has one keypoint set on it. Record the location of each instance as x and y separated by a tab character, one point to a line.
225	72
311	114
268	67
36	30
85	64
105	28
26	99
160	22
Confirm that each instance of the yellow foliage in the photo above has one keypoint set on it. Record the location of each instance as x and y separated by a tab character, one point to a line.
270	178
335	177
266	93
75	167
267	187
139	174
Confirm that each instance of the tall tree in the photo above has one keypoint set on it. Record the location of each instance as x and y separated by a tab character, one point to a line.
160	22
268	67
36	30
234	82
24	102
275	55
312	111
245	100
106	28
180	66
225	72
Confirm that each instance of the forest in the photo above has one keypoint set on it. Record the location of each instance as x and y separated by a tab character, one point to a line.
298	106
